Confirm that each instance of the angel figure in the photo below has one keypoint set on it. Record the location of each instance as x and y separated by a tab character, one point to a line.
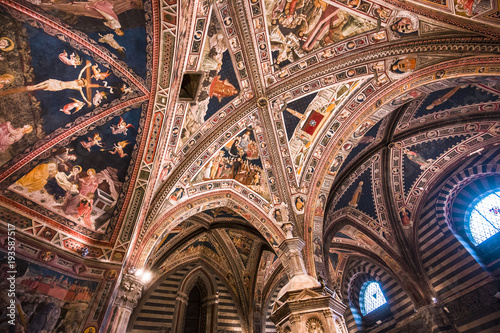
418	159
98	75
125	89
95	141
110	40
121	128
73	60
99	95
106	10
118	148
77	105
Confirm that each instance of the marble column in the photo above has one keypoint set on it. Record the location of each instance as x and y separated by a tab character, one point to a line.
304	305
128	295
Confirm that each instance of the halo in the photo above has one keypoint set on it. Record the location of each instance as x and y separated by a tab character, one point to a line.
10	47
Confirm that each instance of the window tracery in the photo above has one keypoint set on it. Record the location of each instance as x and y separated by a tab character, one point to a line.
371	297
484	221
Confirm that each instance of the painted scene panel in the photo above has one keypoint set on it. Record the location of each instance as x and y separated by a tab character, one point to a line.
46	300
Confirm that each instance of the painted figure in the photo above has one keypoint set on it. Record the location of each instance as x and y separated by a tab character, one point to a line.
299	204
9	135
71	201
405	218
444	98
404	24
221	89
36	179
165	172
76	104
94	141
110	40
61	183
336	164
402	66
85	209
98	97
277	216
121	128
89	184
321	205
357	194
98	75
105	9
73	60
57	85
177	194
118	148
45	319
418	159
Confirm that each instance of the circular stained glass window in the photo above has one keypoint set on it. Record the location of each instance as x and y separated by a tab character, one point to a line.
484	219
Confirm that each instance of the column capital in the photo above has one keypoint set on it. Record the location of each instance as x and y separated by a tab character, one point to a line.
129	291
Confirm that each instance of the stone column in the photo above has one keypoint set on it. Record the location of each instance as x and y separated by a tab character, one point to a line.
128	295
304	305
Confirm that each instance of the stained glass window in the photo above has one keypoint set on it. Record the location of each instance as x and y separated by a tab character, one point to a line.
485	218
371	297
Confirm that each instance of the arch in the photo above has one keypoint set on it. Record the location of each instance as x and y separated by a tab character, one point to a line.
167	296
458	194
369	108
371	297
361	270
197	278
220	198
454	268
272	295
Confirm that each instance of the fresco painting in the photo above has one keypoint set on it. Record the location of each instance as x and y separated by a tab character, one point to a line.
359	195
304	121
46	300
470	8
219	84
299	27
49	90
243	244
117	25
416	159
170	235
460	95
83	180
224	212
238	160
202	244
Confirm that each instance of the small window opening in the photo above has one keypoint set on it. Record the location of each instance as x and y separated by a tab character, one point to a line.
371	297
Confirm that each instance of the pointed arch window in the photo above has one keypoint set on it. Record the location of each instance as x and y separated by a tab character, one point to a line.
371	297
484	221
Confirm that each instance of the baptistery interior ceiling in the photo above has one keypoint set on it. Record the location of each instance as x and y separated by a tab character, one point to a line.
159	133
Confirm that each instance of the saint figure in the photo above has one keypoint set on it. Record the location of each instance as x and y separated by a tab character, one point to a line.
220	89
10	135
357	194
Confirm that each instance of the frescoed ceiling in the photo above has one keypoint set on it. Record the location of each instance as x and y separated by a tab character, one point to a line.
134	132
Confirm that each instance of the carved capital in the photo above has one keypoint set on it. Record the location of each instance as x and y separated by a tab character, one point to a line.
294	318
129	292
328	313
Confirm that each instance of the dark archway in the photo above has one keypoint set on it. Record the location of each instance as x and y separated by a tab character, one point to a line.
193	312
